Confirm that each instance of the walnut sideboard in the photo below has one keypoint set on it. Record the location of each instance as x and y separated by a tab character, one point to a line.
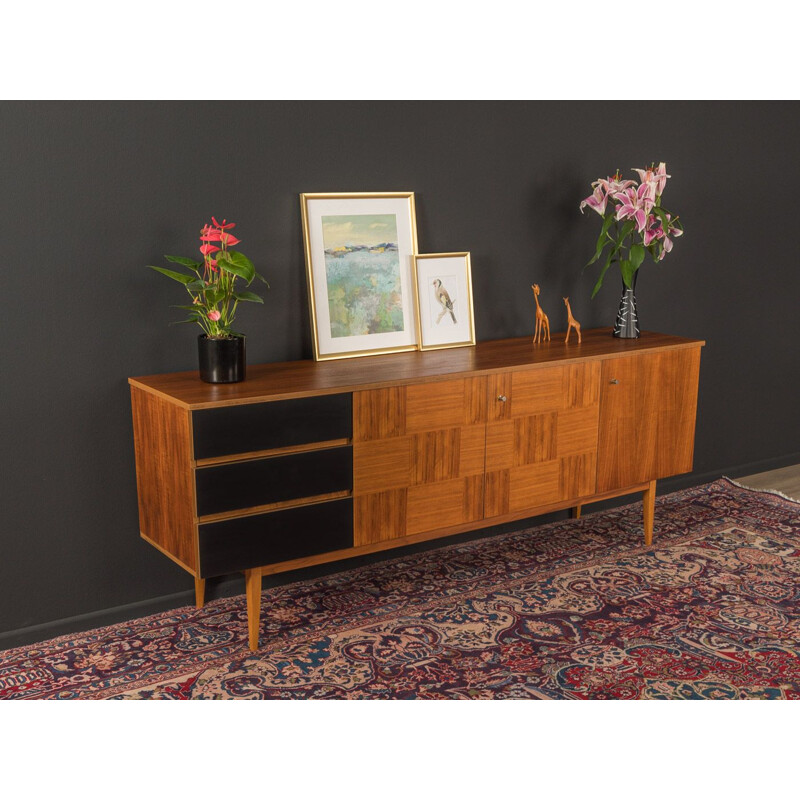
310	462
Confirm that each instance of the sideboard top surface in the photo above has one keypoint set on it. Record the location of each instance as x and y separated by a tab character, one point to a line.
302	378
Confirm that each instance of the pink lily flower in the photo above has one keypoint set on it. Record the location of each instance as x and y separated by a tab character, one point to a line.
636	203
657	177
673	231
661	178
652	231
613	184
597	200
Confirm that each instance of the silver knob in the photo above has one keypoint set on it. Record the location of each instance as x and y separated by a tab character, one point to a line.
502	398
614	380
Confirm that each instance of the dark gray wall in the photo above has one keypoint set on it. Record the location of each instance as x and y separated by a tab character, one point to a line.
91	192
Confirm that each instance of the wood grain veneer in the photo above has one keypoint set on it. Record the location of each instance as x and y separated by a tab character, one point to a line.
648	409
418	457
542	448
443	442
305	378
164	478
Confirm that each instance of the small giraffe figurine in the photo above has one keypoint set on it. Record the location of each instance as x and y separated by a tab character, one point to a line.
542	323
573	323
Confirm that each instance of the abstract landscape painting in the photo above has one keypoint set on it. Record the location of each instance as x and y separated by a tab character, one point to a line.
362	268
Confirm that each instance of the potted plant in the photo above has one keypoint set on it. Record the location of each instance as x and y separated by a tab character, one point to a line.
212	285
634	224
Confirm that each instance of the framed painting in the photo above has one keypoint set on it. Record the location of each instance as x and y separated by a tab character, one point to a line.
444	291
359	259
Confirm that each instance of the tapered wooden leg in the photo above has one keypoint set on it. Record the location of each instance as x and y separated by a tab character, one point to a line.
649	502
575	511
199	592
252	579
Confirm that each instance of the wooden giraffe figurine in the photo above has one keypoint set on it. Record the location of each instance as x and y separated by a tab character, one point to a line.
542	323
573	323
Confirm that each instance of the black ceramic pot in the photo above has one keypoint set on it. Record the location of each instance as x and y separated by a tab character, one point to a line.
221	360
627	324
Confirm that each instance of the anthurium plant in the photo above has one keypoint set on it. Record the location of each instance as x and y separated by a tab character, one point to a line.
211	283
634	221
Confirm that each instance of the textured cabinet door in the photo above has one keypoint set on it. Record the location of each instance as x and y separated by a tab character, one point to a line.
418	458
541	437
647	417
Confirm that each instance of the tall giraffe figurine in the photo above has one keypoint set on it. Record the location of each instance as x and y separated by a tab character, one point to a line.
572	322
542	323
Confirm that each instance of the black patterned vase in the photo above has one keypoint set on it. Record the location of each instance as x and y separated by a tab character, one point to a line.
627	324
221	360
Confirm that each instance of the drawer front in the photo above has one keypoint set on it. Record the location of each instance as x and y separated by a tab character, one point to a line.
246	484
269	426
247	542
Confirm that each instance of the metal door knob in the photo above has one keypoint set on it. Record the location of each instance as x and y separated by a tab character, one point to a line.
613	380
502	398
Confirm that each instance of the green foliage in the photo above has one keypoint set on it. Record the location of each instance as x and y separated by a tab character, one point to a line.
212	282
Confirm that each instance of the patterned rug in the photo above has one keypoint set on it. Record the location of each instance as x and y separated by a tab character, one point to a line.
573	609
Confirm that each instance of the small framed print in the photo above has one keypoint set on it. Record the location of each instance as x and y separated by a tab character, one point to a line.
359	249
444	300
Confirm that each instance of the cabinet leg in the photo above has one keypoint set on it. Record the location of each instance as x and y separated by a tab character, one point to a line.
575	511
252	579
649	502
199	592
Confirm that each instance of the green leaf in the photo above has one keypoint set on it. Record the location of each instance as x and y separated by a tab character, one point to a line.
249	297
176	276
627	269
233	269
195	285
187	308
237	264
626	230
195	318
263	279
187	262
637	256
609	261
603	239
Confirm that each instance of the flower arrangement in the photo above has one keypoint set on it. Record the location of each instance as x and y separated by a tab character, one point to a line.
634	221
212	282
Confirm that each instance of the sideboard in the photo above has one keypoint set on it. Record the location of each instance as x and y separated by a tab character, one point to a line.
310	462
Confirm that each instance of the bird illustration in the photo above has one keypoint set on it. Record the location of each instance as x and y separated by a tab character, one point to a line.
444	300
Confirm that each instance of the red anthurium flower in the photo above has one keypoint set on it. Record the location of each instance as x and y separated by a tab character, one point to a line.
225	224
229	239
208	248
209	234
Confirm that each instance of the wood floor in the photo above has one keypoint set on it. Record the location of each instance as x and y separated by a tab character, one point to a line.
786	481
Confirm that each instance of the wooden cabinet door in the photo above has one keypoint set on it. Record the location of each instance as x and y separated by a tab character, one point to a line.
541	437
418	458
647	417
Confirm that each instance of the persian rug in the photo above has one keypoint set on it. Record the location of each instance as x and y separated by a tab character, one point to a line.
572	609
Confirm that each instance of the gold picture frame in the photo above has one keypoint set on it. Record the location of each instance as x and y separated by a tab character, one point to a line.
445	315
359	251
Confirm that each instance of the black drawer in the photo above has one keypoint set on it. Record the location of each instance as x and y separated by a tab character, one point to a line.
227	487
247	542
268	426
